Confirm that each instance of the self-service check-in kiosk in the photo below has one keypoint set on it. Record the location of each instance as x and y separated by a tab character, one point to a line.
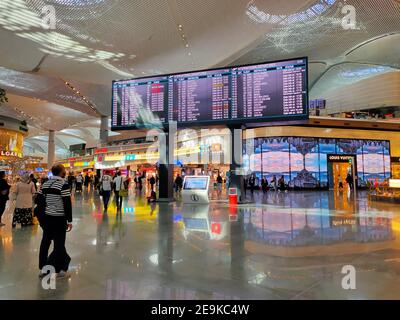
195	189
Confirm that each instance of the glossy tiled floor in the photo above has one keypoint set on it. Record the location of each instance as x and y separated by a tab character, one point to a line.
282	246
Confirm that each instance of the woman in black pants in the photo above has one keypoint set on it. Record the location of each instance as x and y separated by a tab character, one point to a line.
4	192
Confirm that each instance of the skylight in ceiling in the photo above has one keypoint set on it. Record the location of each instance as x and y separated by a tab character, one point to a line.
74	3
24	19
365	72
260	16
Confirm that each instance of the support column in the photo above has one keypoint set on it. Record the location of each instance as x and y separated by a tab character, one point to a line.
166	164
104	130
236	174
51	150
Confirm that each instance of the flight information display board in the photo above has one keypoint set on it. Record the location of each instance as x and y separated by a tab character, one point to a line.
242	94
141	98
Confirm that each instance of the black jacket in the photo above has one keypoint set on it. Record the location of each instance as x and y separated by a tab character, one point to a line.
4	189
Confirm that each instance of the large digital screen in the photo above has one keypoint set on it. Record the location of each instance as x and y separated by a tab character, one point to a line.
251	93
195	183
137	101
303	161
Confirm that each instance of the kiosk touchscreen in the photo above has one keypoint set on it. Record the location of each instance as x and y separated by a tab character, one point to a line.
195	189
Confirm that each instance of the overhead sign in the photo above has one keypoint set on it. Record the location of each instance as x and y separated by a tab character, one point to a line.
114	158
338	221
100	150
130	157
250	93
10	154
340	158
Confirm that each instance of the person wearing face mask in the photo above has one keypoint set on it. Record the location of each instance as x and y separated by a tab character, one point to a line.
54	211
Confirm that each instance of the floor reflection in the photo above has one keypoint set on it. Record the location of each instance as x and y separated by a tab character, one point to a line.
280	246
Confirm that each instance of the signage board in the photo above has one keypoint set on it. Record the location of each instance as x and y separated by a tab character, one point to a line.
340	158
241	94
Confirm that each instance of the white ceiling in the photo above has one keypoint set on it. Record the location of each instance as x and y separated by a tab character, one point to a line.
96	41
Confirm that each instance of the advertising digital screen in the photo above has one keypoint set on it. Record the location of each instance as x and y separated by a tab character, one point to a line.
303	161
251	93
195	183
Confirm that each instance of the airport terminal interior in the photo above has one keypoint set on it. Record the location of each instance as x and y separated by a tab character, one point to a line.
212	150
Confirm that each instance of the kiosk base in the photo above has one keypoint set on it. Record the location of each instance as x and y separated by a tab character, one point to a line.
165	200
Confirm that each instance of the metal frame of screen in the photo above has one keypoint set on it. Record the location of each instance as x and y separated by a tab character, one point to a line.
243	121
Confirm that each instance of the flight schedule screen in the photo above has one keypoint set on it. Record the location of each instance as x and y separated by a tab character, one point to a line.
199	96
246	94
140	101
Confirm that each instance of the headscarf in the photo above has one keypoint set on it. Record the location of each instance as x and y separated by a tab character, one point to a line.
25	178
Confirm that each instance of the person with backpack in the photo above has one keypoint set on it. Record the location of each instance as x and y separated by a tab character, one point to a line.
119	189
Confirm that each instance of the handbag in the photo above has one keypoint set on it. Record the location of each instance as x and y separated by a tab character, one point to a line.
122	192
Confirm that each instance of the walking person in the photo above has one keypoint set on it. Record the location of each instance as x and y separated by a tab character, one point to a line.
118	189
105	189
70	180
264	184
349	180
4	192
281	184
178	184
54	211
140	180
24	191
87	181
219	185
34	180
274	182
252	183
340	180
152	181
78	183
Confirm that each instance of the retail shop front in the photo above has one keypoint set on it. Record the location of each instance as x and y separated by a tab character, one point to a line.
305	156
12	136
129	164
82	165
395	162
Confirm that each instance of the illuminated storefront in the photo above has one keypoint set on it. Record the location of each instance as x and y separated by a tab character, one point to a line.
300	154
12	135
11	144
303	160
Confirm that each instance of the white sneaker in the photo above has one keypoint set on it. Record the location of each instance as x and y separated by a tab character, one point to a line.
63	275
